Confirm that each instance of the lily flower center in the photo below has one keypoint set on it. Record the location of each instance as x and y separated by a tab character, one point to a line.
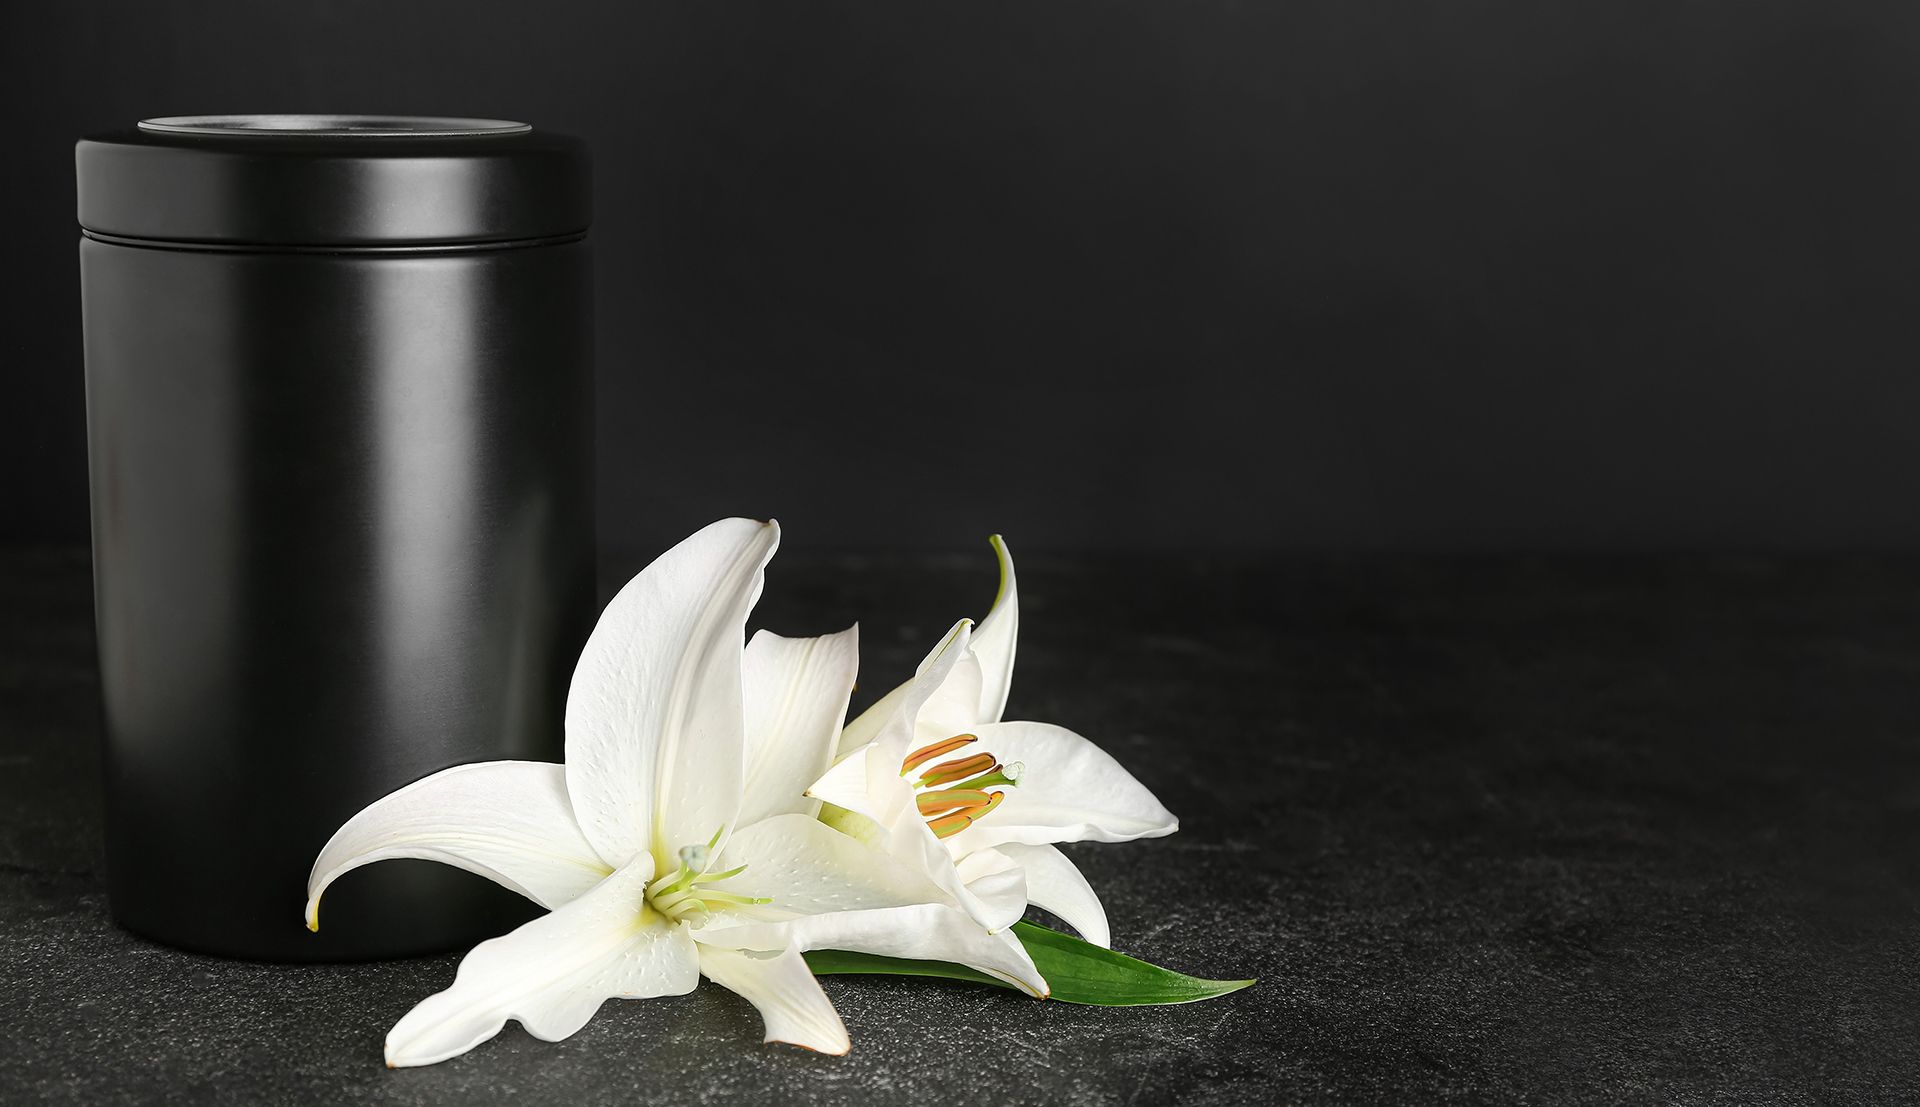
951	794
679	895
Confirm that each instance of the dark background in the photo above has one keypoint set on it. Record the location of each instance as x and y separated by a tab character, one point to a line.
1316	274
1300	276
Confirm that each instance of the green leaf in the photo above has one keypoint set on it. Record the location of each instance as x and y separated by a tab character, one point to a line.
1081	972
1077	971
829	962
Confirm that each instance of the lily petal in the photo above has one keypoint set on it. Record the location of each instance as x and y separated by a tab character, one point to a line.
807	868
1055	884
943	703
785	992
996	888
796	693
952	705
508	821
1070	790
845	784
868	783
975	690
926	932
866	779
994	641
866	726
890	798
553	973
654	711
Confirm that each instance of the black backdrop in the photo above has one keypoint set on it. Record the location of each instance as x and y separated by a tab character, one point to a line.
1133	273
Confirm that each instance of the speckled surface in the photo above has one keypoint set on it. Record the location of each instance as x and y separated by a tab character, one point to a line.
1495	830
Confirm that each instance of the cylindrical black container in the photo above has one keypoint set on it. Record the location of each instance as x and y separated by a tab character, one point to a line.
339	401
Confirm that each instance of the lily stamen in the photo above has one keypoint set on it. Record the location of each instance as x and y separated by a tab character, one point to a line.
679	896
925	754
932	803
947	826
959	768
956	790
1001	774
709	878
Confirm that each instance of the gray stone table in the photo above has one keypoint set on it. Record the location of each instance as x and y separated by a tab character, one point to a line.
1493	830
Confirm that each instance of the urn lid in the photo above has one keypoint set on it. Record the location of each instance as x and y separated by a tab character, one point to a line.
340	181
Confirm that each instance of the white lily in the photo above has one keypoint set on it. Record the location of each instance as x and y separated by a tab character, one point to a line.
969	906
985	822
675	736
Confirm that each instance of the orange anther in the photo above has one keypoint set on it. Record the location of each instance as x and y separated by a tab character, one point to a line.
947	826
925	754
960	768
932	803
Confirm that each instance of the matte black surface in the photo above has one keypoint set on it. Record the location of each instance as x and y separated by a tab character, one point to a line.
261	189
343	534
1489	830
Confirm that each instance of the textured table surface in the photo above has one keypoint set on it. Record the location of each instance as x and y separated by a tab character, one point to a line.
1603	831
